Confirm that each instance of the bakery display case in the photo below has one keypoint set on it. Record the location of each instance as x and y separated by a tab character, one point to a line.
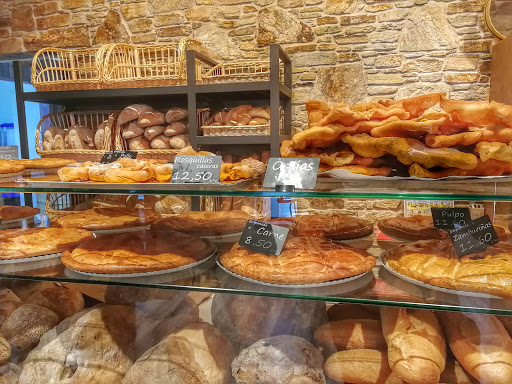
132	274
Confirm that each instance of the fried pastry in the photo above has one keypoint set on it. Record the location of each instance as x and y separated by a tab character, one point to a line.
20	243
478	113
142	251
348	115
416	106
303	260
73	174
489	168
205	223
363	145
10	212
334	156
496	151
335	227
499	135
318	137
245	169
411	228
434	262
426	123
97	171
107	218
163	172
317	110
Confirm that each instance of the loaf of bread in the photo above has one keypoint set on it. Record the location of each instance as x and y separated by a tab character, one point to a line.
454	373
5	350
176	128
81	137
132	112
161	142
176	114
481	345
247	319
151	118
132	130
179	141
139	143
63	301
351	334
53	138
259	113
279	359
151	132
416	346
361	366
197	354
99	136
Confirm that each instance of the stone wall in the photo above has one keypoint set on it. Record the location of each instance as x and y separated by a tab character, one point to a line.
343	50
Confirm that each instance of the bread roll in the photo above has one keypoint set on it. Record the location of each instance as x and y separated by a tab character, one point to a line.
73	174
132	112
139	143
176	114
53	138
259	113
361	366
163	172
151	132
176	128
455	374
179	141
233	113
161	142
197	354
151	118
99	136
351	334
416	346
481	345
50	133
279	359
247	319
81	137
24	288
121	175
132	130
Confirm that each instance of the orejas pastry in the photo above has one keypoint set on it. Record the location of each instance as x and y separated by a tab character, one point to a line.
20	243
107	218
205	223
142	251
435	262
303	260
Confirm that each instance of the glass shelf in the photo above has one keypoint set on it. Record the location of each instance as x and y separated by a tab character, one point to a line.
378	287
499	189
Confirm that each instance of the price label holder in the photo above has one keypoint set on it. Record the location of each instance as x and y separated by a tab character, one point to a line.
8	152
196	169
475	237
110	157
300	173
263	237
451	218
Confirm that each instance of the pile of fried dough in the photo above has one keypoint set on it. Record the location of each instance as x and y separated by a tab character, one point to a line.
427	136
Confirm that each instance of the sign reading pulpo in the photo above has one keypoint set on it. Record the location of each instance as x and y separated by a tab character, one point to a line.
196	169
450	218
475	237
301	173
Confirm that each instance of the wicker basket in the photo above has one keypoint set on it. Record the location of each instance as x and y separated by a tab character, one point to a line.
67	119
62	204
132	66
56	69
236	71
236	130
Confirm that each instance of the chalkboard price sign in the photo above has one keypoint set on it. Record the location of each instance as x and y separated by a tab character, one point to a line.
301	173
8	152
263	237
110	157
475	237
196	169
450	218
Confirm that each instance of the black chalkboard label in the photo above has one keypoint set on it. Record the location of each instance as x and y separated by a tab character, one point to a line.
301	173
196	169
8	152
263	237
450	218
110	157
475	237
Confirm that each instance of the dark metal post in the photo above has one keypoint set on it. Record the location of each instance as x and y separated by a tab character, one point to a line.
191	98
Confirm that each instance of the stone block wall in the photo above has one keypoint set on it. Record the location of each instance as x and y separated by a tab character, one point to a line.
343	50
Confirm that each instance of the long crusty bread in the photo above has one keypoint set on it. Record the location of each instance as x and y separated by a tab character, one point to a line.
351	334
481	344
416	346
361	366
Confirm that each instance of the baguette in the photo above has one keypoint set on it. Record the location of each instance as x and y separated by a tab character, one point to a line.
455	374
416	346
481	344
351	334
361	366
